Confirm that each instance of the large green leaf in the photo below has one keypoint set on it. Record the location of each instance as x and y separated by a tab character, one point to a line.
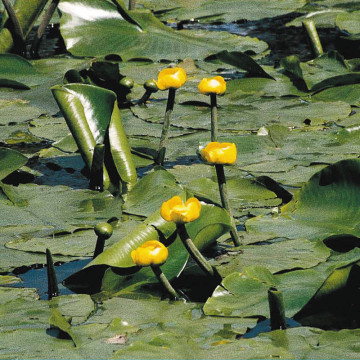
245	294
326	205
277	256
86	26
93	117
15	71
150	192
10	160
325	71
243	61
349	21
229	11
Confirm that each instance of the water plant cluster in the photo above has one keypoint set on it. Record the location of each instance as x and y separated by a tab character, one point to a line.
170	190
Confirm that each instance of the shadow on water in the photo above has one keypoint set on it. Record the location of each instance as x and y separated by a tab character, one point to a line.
37	277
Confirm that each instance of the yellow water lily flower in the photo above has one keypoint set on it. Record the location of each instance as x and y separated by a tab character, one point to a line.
151	252
171	78
215	85
178	212
219	153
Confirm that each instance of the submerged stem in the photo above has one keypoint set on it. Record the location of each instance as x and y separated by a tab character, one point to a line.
214	117
165	282
226	202
166	126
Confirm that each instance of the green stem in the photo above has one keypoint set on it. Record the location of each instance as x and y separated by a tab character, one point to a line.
166	126
194	251
313	37
214	117
277	309
15	28
165	282
44	23
53	289
226	202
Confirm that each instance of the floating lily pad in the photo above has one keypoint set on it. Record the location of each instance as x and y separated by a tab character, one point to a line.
349	21
134	34
58	206
16	111
10	160
297	287
327	70
229	11
322	18
150	192
277	256
325	206
15	71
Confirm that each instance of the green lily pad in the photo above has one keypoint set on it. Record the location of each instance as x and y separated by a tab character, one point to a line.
322	18
10	160
346	93
277	256
331	194
244	193
15	71
298	288
134	34
230	10
349	21
16	111
77	244
327	70
150	192
57	206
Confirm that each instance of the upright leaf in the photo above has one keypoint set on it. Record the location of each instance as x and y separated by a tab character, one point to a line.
93	118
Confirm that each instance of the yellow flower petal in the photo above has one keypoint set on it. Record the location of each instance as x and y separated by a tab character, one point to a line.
151	252
219	153
215	85
171	78
175	210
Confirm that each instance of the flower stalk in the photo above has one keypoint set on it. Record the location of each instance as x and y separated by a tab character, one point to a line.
214	117
168	79
194	251
150	88
165	282
226	202
103	231
166	127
